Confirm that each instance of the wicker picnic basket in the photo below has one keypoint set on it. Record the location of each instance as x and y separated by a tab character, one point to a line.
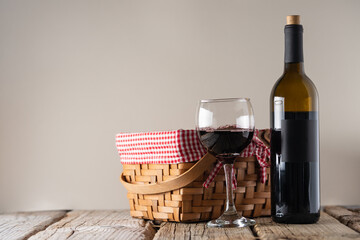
174	192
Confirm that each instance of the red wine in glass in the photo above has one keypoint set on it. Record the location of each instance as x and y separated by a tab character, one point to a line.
226	144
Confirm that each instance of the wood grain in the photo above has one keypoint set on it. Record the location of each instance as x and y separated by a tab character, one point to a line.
98	225
119	225
349	217
327	228
22	225
196	231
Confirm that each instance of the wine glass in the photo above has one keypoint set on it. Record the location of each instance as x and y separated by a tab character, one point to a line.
226	127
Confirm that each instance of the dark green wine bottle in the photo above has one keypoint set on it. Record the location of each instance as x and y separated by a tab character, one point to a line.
295	183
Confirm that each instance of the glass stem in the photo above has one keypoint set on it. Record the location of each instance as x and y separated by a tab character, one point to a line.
229	207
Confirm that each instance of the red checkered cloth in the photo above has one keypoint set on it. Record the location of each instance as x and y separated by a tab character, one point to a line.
167	147
257	148
173	147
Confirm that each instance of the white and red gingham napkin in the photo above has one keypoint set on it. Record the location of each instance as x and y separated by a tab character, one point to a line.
180	146
167	147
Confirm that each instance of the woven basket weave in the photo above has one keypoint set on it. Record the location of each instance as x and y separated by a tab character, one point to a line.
174	192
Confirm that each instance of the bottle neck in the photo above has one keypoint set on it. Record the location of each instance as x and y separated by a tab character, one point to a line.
294	67
294	58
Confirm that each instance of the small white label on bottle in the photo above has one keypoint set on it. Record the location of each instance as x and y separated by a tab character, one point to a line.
279	103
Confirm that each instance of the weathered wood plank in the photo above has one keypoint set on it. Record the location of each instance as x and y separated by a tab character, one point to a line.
327	228
349	217
337	211
24	224
199	231
98	225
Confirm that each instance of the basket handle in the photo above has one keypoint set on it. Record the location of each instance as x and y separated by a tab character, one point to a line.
180	181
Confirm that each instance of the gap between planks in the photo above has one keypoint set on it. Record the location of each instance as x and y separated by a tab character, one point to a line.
327	228
23	225
98	224
55	220
347	216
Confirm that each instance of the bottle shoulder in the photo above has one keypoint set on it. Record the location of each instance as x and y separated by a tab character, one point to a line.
298	92
290	84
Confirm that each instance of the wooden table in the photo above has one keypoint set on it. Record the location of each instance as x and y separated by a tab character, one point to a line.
335	223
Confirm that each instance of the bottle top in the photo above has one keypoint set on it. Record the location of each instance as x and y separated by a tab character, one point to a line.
293	19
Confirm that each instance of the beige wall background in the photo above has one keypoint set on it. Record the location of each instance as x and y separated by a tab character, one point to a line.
75	73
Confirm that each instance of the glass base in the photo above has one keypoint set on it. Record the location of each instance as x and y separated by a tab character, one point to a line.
230	221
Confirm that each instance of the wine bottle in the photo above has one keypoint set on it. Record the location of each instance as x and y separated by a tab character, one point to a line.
295	190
